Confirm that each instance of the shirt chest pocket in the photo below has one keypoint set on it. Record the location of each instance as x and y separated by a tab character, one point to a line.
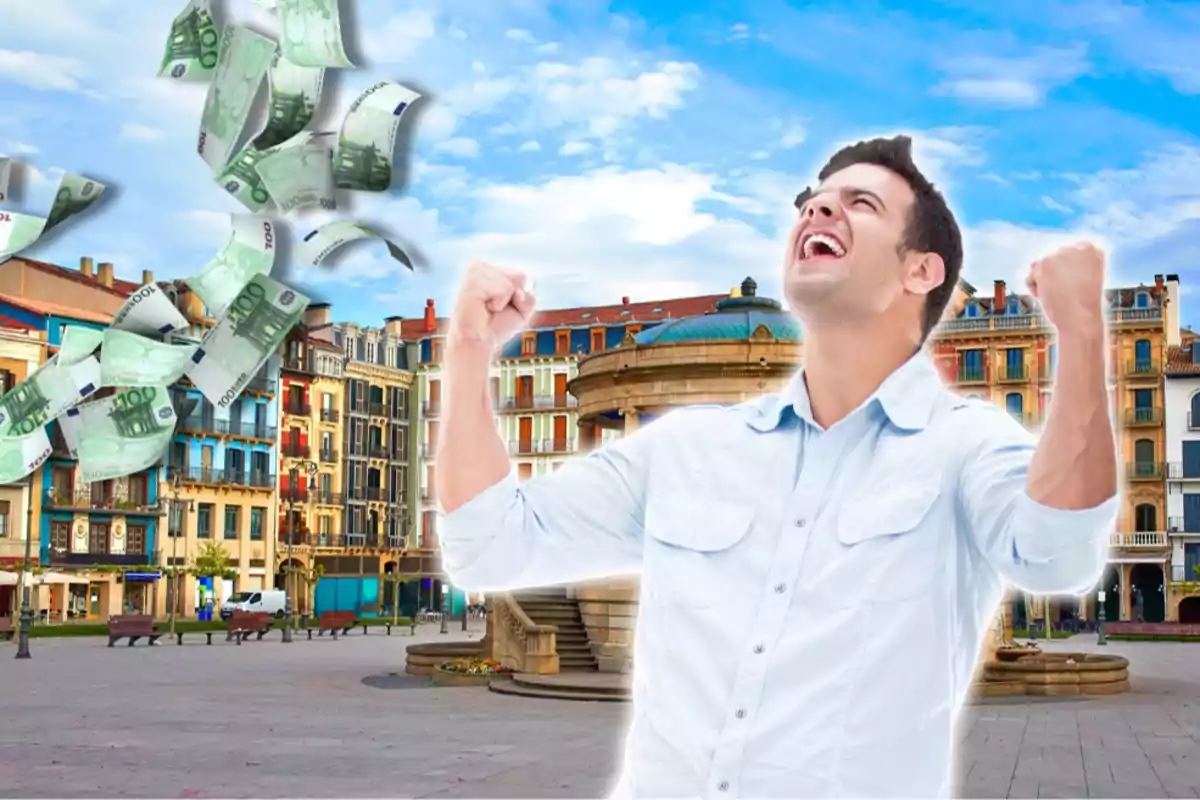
889	546
692	548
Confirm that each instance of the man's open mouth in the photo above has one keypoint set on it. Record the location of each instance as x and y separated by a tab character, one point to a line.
821	245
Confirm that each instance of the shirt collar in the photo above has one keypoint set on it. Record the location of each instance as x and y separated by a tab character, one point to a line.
906	397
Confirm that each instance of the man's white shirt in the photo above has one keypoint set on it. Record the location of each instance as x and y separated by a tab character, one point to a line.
812	601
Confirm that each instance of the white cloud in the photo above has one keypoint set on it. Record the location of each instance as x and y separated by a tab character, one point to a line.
140	133
1021	81
204	228
574	148
42	71
530	146
459	146
547	49
1052	204
793	137
22	149
400	37
504	129
520	35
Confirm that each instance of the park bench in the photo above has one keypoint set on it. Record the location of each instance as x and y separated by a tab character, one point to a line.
244	623
206	634
334	621
6	628
132	627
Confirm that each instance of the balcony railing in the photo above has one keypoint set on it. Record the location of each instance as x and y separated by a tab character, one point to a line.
295	450
357	450
431	408
1143	416
428	494
82	500
377	410
1014	373
428	449
294	364
379	451
225	427
1145	470
1012	322
330	415
542	446
59	558
1179	471
1193	424
538	402
1176	525
262	385
299	409
328	456
1142	366
324	498
971	375
1138	540
251	479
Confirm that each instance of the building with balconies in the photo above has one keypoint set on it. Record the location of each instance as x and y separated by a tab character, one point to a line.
1183	478
1001	348
224	462
102	535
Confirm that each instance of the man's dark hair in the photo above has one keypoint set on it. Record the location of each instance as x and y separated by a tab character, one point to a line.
931	227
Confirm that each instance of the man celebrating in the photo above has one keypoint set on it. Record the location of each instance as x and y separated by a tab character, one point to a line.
819	566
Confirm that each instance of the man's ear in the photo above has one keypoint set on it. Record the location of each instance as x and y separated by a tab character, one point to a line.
923	272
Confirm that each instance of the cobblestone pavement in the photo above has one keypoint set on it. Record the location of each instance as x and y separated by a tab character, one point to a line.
325	719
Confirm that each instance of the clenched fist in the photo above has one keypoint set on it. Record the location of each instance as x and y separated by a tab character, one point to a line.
493	305
1069	283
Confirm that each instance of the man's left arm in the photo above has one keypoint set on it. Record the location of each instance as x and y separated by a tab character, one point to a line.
1042	515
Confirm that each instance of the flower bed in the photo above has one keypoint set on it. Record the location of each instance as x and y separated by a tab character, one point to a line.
1014	651
469	672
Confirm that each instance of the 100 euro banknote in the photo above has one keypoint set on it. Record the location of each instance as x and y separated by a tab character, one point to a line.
125	433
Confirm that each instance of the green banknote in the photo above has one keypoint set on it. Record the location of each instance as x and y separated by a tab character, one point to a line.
77	344
130	359
75	194
294	94
367	142
5	174
192	46
311	33
125	433
245	57
250	251
21	455
316	246
45	394
150	312
241	179
249	331
298	177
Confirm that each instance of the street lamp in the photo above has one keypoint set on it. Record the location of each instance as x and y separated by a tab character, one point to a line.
466	605
289	583
176	482
26	621
445	595
1100	618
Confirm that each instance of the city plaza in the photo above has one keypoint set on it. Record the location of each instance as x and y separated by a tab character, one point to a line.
340	719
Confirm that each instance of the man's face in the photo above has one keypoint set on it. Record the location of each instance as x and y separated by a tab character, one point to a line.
843	258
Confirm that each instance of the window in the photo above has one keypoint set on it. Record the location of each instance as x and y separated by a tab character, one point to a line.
98	537
1014	402
135	540
562	343
597	341
204	516
60	536
102	494
971	310
256	523
62	483
529	344
1141	356
1014	306
5	510
1141	300
7	381
175	520
1145	518
231	521
435	351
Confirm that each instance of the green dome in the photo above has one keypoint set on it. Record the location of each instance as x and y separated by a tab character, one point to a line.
735	319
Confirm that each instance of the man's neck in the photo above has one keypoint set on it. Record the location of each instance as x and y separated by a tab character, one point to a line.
844	365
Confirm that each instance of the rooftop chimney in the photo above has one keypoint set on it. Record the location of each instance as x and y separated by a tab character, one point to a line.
624	301
85	266
147	277
430	316
999	294
749	287
392	325
316	315
104	273
1158	283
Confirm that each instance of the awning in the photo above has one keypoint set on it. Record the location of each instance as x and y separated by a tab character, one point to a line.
9	578
60	578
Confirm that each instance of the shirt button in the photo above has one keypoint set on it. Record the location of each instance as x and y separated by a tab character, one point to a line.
800	523
758	648
723	786
741	713
780	588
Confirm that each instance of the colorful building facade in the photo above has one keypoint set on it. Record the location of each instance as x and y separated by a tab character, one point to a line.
1183	477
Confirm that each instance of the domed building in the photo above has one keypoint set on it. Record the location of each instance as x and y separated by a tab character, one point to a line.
747	347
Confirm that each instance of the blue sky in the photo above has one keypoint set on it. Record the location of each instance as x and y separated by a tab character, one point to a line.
647	149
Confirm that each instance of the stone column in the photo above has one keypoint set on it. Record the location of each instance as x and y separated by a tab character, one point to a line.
631	420
1126	589
609	611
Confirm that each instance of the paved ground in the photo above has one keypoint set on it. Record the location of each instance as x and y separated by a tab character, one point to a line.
310	720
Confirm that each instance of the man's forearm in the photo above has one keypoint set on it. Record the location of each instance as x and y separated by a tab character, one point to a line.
470	455
1075	464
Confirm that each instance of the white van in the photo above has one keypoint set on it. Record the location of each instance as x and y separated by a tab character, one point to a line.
272	601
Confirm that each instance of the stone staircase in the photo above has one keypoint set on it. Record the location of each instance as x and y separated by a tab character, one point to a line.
551	606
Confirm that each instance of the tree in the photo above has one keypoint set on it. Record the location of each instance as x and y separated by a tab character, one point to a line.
309	576
213	562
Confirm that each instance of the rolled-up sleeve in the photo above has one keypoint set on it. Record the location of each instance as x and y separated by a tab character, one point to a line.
1038	548
581	522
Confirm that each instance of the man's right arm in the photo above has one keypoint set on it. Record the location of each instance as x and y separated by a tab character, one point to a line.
579	523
